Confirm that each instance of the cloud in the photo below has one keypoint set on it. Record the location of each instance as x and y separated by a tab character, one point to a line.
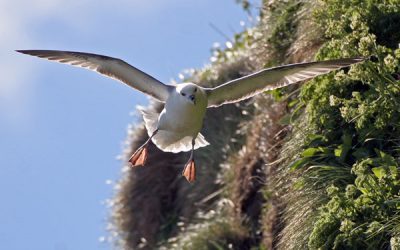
18	21
13	91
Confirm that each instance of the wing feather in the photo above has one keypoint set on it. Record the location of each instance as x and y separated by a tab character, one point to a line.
272	78
112	67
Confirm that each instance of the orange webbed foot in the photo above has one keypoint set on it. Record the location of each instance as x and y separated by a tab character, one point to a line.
190	171
139	157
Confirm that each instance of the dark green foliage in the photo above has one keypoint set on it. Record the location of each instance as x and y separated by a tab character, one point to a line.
355	216
356	114
386	25
284	28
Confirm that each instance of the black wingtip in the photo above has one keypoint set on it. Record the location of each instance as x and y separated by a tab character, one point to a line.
22	51
37	53
359	59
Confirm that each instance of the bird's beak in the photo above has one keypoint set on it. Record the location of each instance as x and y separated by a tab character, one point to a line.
192	98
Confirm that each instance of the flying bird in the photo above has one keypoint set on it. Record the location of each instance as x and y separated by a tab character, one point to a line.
177	127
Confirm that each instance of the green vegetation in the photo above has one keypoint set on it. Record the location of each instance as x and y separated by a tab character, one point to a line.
284	26
356	117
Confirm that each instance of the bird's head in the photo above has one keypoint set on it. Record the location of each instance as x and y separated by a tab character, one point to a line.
190	91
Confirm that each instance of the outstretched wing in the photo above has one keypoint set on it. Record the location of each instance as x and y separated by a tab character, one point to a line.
112	67
272	78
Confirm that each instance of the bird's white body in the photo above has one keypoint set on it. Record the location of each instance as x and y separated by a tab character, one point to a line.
182	115
180	121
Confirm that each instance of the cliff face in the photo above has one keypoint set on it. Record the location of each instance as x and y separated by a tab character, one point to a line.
309	166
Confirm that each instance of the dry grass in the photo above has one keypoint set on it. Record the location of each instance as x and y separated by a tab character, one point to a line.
295	206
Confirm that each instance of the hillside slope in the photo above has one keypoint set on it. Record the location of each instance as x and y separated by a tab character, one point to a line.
309	166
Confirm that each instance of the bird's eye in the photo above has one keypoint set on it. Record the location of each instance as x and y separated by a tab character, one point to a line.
183	94
195	90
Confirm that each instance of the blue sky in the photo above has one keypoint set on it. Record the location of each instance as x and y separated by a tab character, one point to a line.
62	128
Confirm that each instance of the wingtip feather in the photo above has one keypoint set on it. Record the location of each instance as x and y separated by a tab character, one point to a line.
360	58
26	52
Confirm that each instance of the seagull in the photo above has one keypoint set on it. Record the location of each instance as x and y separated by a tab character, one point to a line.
177	127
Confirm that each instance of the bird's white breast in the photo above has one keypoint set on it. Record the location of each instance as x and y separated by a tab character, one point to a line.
183	117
